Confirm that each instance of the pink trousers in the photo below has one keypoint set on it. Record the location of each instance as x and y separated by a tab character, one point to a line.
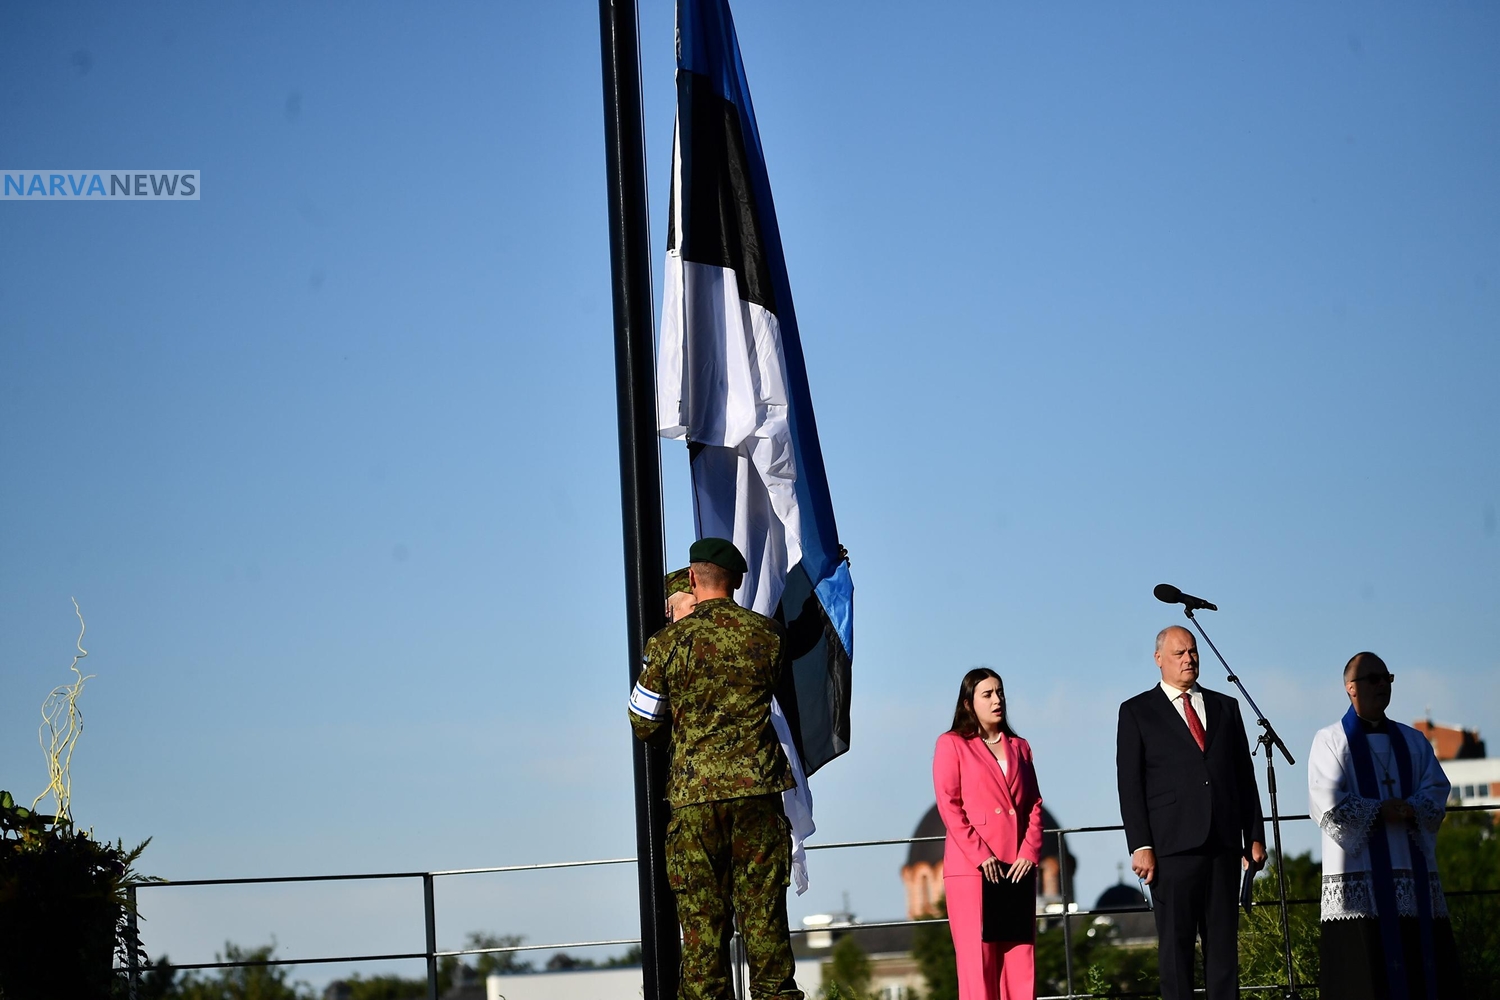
985	971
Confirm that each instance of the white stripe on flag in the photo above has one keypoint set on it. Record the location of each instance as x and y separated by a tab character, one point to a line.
795	801
721	383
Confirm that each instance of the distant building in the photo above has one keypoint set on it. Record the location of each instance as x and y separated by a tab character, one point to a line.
894	974
1475	778
1475	782
1451	742
923	871
1126	915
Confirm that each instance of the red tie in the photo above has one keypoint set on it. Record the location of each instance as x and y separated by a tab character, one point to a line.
1195	724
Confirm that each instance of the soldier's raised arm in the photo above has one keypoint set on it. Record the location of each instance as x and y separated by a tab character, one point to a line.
648	699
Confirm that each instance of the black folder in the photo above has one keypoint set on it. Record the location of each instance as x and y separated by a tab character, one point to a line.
1010	909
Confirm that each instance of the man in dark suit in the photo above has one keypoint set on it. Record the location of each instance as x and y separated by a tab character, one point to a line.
1192	815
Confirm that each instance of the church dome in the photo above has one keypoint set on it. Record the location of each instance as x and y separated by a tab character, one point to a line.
1120	897
929	852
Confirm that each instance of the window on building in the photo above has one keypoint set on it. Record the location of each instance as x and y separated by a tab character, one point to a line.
1468	791
1482	789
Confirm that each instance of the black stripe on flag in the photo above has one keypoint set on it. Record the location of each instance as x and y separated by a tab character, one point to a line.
814	692
720	219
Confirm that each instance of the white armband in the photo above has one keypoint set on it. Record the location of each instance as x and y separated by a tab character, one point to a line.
648	704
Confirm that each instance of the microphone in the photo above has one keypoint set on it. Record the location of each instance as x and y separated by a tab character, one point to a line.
1168	594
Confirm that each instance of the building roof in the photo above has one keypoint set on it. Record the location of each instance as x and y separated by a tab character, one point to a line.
1451	742
930	852
871	940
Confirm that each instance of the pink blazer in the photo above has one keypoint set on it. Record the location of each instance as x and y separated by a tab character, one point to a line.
987	812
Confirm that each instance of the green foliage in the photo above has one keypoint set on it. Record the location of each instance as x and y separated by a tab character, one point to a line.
1051	960
562	962
1262	957
631	957
391	987
1468	849
386	988
1100	964
847	973
19	820
932	948
504	963
63	906
255	982
158	982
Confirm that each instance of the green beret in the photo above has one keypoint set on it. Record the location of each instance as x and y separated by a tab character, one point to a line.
720	552
677	582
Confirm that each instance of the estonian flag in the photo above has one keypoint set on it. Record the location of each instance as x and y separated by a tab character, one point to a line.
732	383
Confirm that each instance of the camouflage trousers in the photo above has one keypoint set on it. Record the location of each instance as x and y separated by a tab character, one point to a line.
728	860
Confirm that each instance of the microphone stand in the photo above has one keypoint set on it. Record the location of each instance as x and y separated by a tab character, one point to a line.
1268	739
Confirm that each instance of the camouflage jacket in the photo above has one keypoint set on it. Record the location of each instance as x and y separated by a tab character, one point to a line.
708	678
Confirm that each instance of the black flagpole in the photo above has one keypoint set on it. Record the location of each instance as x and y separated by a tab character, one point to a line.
640	471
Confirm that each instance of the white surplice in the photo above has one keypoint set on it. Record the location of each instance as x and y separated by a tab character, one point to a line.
1348	820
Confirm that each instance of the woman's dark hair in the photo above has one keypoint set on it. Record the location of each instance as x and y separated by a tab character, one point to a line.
964	722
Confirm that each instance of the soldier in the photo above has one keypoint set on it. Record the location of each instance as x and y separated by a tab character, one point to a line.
708	680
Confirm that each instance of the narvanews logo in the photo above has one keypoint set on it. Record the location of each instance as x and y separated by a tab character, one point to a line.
100	185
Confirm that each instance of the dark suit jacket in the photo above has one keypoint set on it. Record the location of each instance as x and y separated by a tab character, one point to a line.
1176	798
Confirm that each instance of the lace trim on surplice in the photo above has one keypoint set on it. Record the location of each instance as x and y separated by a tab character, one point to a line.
1349	823
1429	814
1350	895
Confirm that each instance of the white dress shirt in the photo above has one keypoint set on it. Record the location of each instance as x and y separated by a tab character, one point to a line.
1196	694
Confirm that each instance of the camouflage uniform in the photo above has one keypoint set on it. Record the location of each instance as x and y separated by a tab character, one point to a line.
708	680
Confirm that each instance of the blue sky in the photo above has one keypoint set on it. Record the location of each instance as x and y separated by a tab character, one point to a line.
1093	297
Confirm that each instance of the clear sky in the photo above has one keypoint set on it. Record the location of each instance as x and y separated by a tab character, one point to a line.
1093	296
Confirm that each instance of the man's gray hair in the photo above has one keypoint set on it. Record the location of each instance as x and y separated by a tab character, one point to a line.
1161	636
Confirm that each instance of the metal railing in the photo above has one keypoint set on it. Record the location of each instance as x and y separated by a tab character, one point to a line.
432	954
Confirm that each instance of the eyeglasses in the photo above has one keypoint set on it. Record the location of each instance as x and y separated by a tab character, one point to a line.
1377	678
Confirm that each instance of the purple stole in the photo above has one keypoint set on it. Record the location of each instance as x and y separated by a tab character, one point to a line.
1380	859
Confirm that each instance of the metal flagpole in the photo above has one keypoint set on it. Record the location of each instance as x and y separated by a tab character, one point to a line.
640	469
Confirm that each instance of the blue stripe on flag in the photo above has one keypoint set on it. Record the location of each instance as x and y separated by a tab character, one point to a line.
708	46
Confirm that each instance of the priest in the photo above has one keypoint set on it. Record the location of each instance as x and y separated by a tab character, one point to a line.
1378	795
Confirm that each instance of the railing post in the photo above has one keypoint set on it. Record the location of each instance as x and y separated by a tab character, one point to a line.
1062	878
133	928
430	912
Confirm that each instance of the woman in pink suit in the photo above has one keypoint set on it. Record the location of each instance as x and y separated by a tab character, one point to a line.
988	797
